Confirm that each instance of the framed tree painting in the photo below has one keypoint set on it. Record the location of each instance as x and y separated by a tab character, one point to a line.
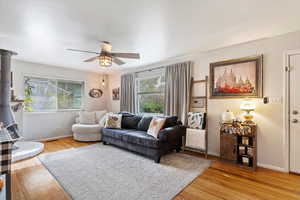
238	78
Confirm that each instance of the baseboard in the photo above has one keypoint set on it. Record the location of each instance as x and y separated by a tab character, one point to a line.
213	153
271	167
208	153
52	138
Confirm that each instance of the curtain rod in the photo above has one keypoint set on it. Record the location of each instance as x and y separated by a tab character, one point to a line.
149	70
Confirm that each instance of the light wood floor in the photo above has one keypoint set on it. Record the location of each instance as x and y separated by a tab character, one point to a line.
32	181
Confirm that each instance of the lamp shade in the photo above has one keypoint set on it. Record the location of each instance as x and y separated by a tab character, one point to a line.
248	106
105	60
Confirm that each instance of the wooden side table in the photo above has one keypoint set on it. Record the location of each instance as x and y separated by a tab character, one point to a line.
238	144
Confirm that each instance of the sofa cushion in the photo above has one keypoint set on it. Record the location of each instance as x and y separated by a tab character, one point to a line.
170	121
86	117
140	138
144	123
115	133
103	120
100	114
130	122
86	128
126	114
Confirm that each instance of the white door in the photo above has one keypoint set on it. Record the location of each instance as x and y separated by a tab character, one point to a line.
294	63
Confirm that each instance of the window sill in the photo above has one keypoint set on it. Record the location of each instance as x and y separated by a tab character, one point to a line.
51	112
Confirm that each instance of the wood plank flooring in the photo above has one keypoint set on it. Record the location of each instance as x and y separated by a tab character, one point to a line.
32	181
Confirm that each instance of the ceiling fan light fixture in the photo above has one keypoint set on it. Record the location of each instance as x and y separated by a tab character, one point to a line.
105	61
106	57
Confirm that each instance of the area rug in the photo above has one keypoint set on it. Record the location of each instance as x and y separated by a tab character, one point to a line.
108	173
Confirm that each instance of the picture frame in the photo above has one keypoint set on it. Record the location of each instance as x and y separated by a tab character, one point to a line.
245	140
242	150
95	93
237	78
116	94
245	161
250	151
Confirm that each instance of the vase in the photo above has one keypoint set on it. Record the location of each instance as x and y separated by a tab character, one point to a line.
227	117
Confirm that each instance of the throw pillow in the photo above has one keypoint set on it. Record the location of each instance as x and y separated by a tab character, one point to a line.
100	114
196	120
126	114
113	121
86	117
144	123
130	122
102	121
170	121
77	121
156	125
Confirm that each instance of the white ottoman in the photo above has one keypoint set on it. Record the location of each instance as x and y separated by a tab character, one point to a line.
86	132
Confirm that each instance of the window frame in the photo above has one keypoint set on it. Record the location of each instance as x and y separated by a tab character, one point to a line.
137	92
56	79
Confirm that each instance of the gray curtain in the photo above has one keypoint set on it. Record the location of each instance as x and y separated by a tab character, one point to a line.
178	83
128	93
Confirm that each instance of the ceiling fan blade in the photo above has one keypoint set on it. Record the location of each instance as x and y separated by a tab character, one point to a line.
83	51
91	59
118	61
127	55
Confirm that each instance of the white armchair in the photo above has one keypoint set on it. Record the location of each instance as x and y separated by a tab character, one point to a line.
87	127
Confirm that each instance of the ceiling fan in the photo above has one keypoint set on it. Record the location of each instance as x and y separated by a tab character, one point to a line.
106	57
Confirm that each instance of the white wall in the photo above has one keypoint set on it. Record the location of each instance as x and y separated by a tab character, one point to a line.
113	82
39	126
269	117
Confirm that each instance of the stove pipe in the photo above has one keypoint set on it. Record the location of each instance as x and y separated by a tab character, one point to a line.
6	115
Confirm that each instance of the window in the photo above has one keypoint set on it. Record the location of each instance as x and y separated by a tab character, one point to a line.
150	92
43	94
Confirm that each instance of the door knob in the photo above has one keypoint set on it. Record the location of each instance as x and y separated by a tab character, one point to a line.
295	112
295	121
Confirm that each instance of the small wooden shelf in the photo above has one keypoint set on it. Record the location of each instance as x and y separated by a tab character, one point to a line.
245	155
235	135
246	145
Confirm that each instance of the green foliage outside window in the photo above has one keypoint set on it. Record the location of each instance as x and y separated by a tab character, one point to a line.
151	95
49	95
28	101
152	107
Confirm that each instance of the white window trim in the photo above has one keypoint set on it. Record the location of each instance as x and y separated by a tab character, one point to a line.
153	75
55	78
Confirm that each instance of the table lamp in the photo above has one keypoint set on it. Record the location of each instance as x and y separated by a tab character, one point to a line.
248	106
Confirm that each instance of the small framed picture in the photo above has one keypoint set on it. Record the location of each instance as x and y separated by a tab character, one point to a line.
245	140
245	161
242	150
250	151
116	94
